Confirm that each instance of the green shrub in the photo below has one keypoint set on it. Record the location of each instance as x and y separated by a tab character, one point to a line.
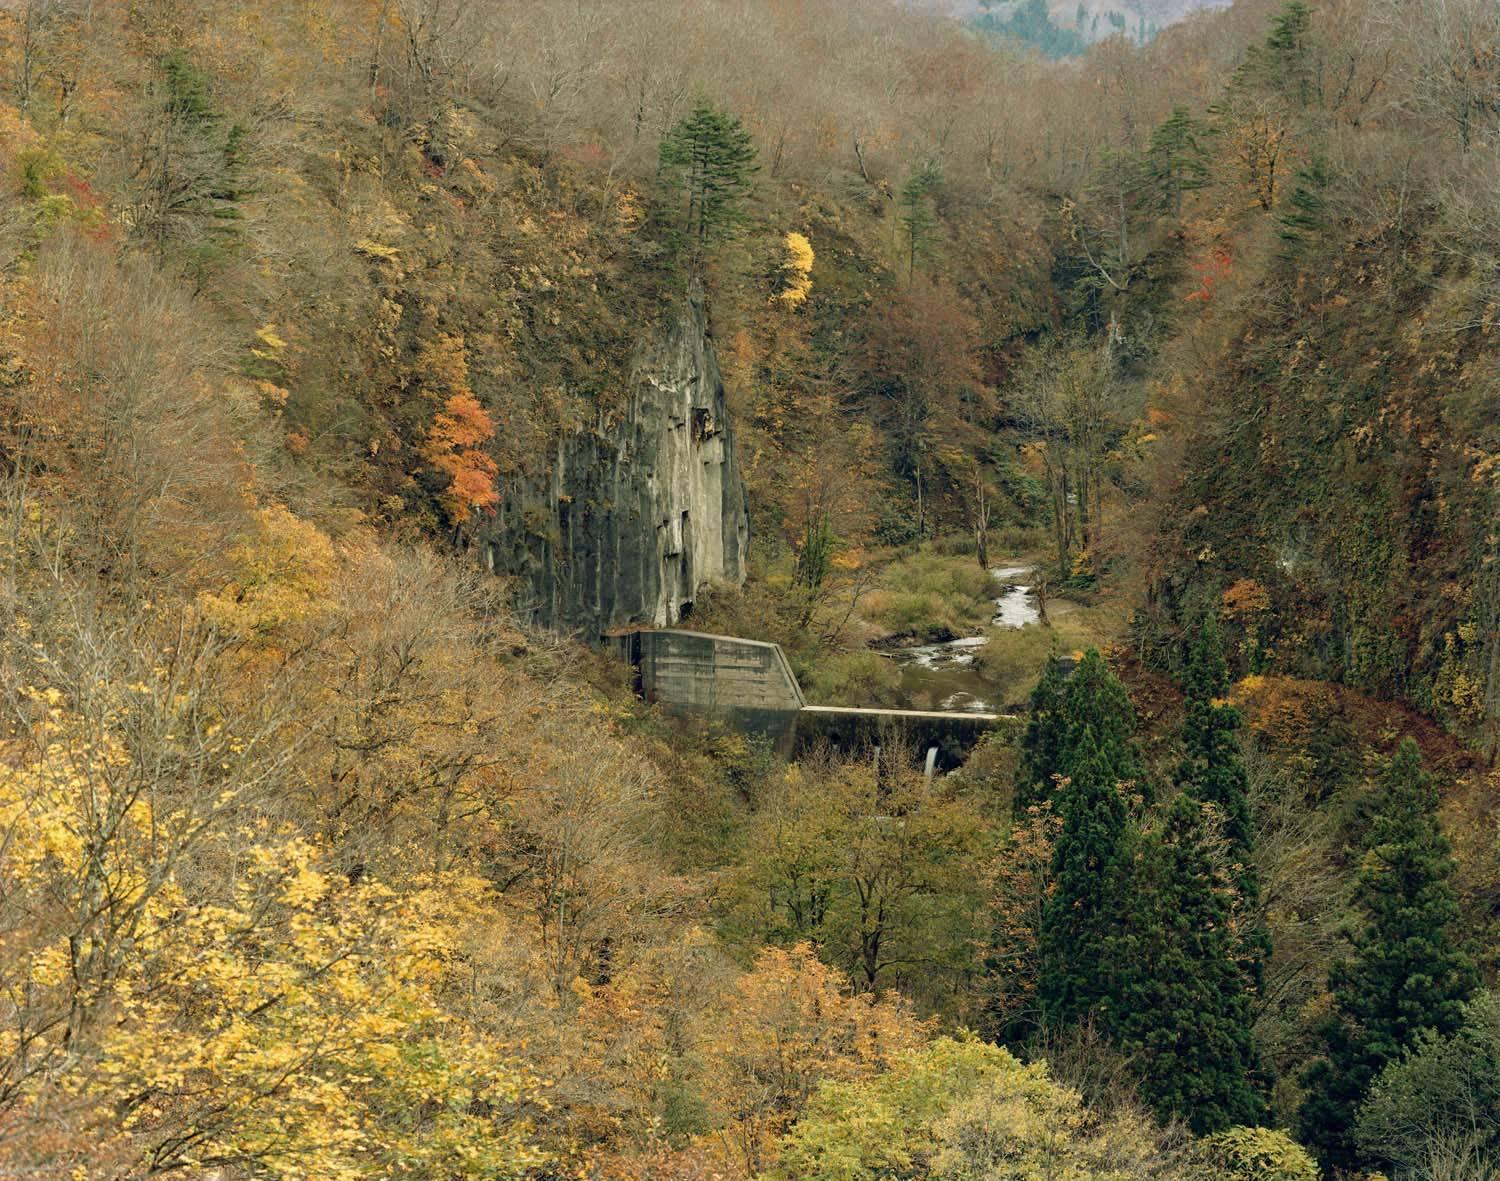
962	1110
1017	540
854	678
929	571
1012	660
954	545
932	597
895	525
1441	1102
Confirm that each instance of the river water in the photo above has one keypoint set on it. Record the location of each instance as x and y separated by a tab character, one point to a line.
944	676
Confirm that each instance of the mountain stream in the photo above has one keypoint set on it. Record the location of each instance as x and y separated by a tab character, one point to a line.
944	676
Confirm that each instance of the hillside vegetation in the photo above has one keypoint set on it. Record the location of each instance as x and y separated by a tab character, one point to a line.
314	863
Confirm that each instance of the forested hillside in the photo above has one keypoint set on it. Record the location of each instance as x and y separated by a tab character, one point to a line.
331	848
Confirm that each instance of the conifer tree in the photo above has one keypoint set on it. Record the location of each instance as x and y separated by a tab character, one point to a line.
1211	772
1097	701
1306	215
1406	975
189	180
1062	708
1287	53
1282	63
1080	919
708	163
1044	741
917	217
1175	160
1177	1002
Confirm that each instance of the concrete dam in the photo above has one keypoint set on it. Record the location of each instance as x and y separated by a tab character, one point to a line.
749	686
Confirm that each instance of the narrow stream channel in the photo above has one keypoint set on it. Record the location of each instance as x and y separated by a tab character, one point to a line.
943	676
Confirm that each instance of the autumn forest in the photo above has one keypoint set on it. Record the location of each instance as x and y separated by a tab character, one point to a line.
366	364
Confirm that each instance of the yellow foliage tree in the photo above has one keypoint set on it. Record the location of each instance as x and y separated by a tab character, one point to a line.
791	1021
189	987
1254	1154
960	1109
796	270
282	574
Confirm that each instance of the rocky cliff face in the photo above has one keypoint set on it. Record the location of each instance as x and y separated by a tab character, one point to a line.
637	513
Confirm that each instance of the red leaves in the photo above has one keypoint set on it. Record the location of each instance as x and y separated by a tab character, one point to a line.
1212	269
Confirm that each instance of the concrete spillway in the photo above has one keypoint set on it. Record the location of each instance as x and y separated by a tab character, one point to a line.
749	685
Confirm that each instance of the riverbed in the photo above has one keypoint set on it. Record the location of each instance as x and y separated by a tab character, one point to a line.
944	676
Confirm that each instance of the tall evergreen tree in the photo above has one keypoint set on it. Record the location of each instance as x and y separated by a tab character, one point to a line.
1044	741
1081	917
1287	55
1097	701
1212	773
1030	23
1176	162
1306	216
1062	708
1177	1002
1406	975
1211	769
707	163
1282	64
917	217
189	179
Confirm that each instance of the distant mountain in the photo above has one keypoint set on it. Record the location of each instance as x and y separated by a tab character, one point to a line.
1062	28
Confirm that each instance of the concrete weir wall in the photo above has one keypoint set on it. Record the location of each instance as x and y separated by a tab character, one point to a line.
749	685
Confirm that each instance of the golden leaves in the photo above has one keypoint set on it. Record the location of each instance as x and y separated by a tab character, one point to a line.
792	1022
287	1020
274	344
376	250
796	269
282	575
1246	597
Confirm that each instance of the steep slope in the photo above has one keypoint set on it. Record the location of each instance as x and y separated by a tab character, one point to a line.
319	861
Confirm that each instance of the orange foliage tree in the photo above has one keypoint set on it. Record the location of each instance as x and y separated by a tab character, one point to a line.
457	438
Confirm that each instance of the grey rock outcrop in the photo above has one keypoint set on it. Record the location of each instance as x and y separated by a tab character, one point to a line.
637	513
